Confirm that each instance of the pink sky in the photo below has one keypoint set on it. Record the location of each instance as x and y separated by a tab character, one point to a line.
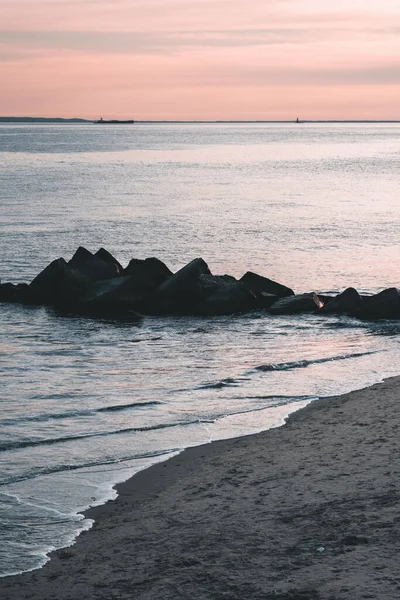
201	59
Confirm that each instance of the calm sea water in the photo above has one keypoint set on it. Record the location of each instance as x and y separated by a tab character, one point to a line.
86	403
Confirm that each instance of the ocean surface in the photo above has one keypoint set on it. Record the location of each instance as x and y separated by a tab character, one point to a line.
86	403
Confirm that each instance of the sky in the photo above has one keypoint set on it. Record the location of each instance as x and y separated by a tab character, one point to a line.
200	59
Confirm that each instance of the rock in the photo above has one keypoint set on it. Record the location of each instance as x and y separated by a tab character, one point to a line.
296	304
113	296
348	302
326	297
259	284
8	292
24	294
149	273
385	305
265	301
104	255
188	274
210	284
15	292
179	294
230	298
92	266
58	284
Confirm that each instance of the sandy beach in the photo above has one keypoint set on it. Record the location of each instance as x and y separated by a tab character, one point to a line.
307	511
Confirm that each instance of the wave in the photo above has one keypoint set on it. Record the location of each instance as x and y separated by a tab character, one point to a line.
282	401
76	413
217	385
16	445
281	398
39	472
118	407
285	366
301	364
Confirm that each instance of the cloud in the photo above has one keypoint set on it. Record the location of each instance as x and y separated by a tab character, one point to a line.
169	15
268	77
180	41
197	53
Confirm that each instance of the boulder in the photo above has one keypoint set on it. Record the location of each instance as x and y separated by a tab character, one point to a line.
259	284
113	296
15	292
8	292
326	297
179	294
149	273
230	298
265	301
58	284
107	257
348	302
385	305
211	284
296	304
92	266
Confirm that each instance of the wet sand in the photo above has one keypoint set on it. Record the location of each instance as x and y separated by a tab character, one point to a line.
308	511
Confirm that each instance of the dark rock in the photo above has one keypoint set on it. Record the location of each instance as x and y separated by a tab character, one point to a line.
326	297
59	284
385	305
149	273
258	284
15	292
230	298
179	294
188	274
296	304
8	292
24	294
210	284
107	257
92	266
348	302
265	301
113	296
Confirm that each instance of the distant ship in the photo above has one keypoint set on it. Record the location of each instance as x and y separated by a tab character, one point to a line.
114	122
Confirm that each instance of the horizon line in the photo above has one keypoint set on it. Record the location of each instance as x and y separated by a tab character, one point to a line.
5	119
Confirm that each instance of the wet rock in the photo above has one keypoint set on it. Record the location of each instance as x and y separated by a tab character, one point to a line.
92	266
59	284
385	305
259	284
348	302
24	295
148	273
107	257
8	292
326	297
15	292
179	294
265	301
231	298
114	296
211	284
296	304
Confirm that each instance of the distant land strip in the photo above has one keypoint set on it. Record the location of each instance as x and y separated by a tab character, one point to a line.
301	121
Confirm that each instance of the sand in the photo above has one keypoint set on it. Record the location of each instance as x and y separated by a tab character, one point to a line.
307	511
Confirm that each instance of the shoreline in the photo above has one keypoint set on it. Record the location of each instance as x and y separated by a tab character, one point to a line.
247	517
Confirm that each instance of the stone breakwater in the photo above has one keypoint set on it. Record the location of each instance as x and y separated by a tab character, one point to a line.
98	285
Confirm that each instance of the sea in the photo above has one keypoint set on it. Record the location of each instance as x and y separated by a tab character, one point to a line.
86	403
